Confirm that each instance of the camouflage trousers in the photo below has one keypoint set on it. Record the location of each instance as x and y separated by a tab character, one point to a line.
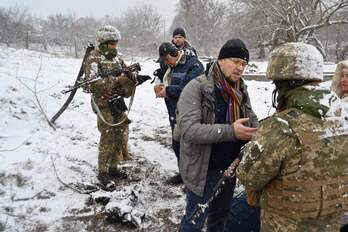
113	143
271	222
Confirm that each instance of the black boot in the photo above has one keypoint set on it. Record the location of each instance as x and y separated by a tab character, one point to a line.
115	173
175	179
103	178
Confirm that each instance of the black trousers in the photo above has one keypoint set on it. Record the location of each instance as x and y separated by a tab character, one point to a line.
175	144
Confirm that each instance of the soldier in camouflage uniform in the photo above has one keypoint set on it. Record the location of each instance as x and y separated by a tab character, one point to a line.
113	129
295	167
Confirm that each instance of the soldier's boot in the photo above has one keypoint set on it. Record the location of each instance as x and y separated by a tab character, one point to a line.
127	156
103	178
115	173
124	155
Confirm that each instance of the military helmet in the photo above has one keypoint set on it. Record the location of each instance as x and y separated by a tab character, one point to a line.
108	33
295	61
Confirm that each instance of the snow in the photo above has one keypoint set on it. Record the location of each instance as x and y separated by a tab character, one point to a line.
33	154
313	66
338	116
72	147
282	121
259	146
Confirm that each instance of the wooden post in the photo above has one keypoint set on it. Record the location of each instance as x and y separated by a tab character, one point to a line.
27	41
75	45
45	44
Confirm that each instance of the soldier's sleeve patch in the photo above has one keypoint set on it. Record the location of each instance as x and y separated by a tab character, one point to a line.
252	148
251	153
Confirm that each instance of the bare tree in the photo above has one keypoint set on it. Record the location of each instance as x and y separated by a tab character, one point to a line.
341	50
341	45
4	26
203	21
296	20
35	92
248	24
57	28
141	26
14	24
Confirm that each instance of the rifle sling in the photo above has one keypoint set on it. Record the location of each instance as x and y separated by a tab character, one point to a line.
125	116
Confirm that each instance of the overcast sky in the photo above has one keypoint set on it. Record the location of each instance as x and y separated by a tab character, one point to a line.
95	8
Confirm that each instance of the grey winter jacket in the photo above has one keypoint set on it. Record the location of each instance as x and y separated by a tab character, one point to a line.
195	122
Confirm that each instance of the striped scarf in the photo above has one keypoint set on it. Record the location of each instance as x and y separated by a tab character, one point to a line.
232	95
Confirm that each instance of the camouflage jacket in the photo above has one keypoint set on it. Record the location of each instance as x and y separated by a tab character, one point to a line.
297	165
102	89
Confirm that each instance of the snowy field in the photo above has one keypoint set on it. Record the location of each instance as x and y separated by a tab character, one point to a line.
36	160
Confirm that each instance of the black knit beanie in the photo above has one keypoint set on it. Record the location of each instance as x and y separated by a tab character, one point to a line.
179	31
234	48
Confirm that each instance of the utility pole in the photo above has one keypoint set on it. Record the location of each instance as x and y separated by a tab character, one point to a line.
164	30
27	40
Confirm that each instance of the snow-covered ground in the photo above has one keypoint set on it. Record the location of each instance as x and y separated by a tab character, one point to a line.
36	160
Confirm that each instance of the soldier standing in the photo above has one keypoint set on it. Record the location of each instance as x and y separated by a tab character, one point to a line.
295	167
108	94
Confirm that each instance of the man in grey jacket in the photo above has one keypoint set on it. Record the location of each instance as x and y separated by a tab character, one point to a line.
214	120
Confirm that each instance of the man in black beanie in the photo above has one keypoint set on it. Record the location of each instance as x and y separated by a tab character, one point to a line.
214	120
180	41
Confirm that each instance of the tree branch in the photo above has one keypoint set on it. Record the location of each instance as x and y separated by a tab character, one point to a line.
15	148
35	92
65	184
317	26
334	8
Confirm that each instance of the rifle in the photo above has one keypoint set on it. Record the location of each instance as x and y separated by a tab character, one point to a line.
113	72
227	178
159	73
90	47
142	78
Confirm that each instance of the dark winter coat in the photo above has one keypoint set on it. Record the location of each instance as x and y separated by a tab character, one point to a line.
186	70
189	52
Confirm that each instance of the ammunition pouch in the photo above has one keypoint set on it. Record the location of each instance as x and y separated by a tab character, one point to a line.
117	106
